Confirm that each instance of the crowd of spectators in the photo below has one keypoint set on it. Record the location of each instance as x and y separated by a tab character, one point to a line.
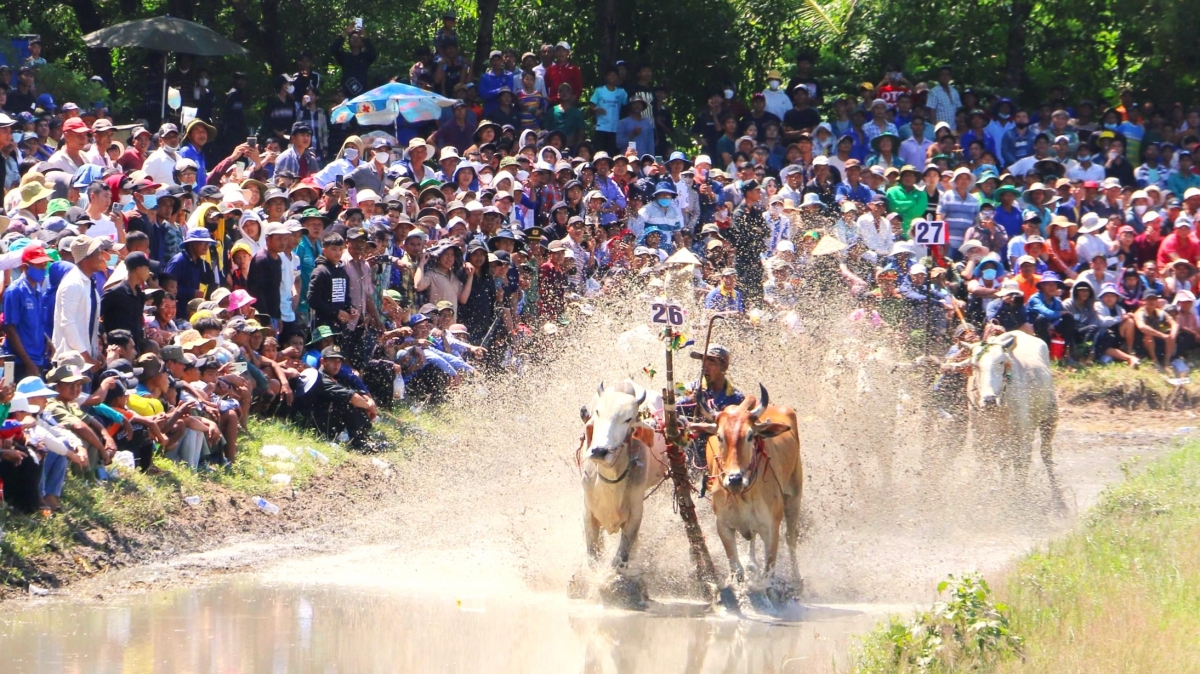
158	290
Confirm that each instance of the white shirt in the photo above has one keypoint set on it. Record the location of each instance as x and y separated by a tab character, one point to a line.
290	265
74	329
160	166
103	227
876	235
1076	171
778	102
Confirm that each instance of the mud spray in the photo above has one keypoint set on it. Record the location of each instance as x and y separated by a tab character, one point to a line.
465	567
888	509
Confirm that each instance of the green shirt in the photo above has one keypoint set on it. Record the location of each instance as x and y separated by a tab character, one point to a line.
567	121
907	204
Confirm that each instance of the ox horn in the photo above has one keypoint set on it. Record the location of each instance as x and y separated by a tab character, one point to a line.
600	389
763	400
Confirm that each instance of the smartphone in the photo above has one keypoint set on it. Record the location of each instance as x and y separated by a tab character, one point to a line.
10	372
358	24
632	145
252	141
340	181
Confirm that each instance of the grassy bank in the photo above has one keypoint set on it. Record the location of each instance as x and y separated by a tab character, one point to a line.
1120	595
133	505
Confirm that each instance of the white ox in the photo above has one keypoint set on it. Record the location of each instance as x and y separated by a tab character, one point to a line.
623	459
1011	394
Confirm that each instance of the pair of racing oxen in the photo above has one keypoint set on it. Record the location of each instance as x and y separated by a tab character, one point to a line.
753	452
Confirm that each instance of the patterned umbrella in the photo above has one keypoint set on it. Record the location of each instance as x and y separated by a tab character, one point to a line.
380	106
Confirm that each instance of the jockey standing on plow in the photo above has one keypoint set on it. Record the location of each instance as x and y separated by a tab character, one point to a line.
719	392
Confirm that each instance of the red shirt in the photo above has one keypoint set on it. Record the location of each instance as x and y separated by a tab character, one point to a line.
131	160
559	73
1145	250
1188	249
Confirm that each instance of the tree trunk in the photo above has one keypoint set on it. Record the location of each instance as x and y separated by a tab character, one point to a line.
1014	65
483	43
270	36
100	60
608	18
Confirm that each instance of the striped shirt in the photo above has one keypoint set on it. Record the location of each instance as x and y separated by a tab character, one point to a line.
959	214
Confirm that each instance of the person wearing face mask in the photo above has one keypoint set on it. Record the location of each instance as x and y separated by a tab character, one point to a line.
233	110
25	327
1085	167
370	171
778	102
985	284
1000	124
662	211
183	77
206	100
281	110
349	158
160	165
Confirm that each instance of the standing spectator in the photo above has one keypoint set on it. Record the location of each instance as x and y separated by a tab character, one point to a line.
958	207
749	234
944	98
637	128
195	136
25	329
355	62
607	102
1018	141
77	303
562	72
123	306
194	276
264	281
778	102
492	82
315	117
233	110
300	158
328	294
566	117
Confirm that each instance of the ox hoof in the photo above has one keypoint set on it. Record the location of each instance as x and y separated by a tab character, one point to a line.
625	592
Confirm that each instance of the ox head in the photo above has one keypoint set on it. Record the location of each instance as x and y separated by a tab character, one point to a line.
734	430
612	414
991	362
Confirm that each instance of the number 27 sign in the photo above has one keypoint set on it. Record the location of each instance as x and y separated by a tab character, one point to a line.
666	312
934	233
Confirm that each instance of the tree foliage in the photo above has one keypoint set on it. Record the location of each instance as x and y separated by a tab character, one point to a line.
1095	46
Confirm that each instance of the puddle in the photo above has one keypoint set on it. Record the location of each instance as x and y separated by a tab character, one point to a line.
247	626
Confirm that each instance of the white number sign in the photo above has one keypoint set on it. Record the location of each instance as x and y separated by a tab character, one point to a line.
934	233
666	312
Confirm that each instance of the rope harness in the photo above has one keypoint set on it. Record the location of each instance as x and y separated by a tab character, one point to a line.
760	454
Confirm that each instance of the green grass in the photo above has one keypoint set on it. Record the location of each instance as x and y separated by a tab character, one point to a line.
134	501
1120	595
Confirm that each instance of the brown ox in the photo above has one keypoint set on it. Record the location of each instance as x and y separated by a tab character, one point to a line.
754	464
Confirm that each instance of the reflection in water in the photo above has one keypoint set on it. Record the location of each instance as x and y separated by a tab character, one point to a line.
248	627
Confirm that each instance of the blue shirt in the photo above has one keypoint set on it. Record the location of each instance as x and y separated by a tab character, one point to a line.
190	275
716	301
24	311
611	103
189	151
861	194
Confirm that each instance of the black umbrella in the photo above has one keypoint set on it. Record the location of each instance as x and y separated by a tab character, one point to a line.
166	34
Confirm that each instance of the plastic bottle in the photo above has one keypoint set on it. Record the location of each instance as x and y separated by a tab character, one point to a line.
266	506
398	388
192	500
316	454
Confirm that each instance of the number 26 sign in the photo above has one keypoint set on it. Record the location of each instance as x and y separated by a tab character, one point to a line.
927	233
666	312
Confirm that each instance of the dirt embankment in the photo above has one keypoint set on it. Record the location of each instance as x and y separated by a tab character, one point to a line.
223	517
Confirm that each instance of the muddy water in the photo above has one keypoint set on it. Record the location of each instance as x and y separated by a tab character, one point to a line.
247	626
465	569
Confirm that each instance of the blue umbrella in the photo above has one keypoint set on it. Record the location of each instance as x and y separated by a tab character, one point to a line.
380	106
